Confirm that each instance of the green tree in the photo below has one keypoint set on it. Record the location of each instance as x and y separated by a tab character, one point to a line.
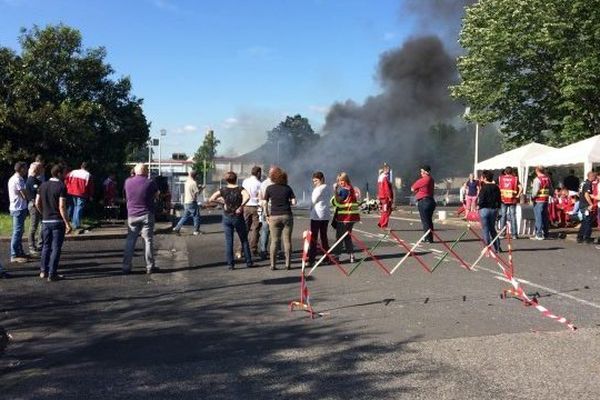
534	67
62	101
290	137
206	153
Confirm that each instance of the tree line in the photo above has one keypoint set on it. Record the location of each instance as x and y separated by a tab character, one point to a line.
65	102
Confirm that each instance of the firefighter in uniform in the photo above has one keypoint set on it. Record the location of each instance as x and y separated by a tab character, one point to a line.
540	193
385	194
346	214
510	192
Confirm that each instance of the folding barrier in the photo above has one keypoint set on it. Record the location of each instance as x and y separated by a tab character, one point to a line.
507	267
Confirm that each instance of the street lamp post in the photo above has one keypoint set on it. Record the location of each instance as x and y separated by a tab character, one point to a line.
163	132
476	157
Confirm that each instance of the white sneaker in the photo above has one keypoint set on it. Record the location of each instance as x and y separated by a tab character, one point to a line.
196	233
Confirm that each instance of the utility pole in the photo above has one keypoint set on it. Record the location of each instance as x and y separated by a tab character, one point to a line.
149	158
163	132
476	149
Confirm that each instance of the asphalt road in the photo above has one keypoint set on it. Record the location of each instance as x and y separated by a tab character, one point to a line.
199	331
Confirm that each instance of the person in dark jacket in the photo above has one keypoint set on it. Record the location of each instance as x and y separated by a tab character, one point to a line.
489	201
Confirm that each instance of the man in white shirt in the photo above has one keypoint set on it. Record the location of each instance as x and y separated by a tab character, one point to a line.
190	203
18	210
252	185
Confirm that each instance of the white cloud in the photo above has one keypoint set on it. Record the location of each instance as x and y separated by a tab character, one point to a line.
230	123
189	128
319	109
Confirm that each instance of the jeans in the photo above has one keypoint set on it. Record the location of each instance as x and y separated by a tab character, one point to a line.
191	210
510	211
488	226
585	230
540	212
264	238
340	229
426	208
53	236
136	225
18	227
236	223
281	226
317	228
76	206
36	220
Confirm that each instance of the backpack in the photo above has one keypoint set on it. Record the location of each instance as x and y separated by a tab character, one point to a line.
232	198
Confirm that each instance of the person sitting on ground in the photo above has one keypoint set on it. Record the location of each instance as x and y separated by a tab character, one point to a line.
233	198
572	211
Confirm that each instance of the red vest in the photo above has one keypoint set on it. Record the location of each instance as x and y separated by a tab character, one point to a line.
544	192
509	187
347	210
384	187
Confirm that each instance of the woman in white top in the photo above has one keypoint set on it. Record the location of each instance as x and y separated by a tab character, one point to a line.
319	215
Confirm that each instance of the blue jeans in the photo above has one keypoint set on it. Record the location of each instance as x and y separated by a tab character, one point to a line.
585	230
510	211
53	236
236	223
488	226
18	227
426	208
76	206
540	212
191	210
264	237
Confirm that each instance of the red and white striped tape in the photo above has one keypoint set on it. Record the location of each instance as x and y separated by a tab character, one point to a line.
523	296
307	236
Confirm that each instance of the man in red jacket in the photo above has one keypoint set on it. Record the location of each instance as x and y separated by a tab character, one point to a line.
80	189
385	194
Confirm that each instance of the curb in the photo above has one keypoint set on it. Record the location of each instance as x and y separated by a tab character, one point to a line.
92	236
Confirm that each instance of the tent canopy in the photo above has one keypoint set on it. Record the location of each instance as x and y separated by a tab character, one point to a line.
586	152
516	157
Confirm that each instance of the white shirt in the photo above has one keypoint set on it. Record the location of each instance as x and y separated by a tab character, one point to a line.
319	208
15	185
253	187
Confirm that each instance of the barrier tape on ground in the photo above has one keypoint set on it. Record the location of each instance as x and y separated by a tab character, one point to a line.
527	300
411	251
328	252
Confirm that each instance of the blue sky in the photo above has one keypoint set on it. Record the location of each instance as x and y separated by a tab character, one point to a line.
236	66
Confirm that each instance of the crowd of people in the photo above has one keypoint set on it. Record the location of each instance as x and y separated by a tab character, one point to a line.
569	205
260	211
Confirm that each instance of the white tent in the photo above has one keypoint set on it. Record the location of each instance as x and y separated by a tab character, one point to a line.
586	152
515	158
